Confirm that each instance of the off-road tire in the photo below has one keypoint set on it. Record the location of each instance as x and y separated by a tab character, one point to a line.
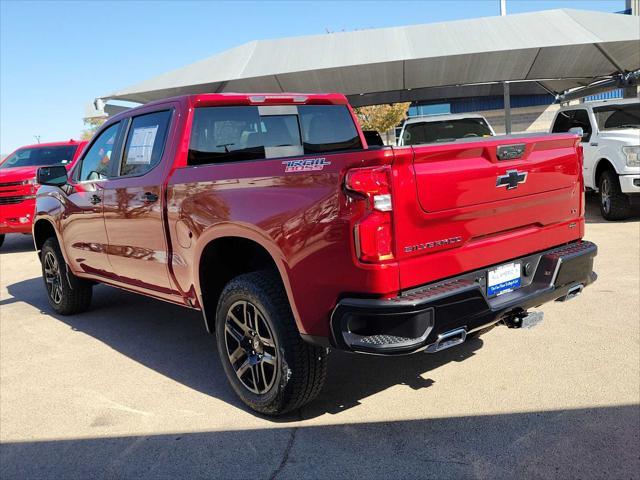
73	294
301	367
614	205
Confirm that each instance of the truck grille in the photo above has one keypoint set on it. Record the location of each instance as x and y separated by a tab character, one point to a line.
11	200
11	184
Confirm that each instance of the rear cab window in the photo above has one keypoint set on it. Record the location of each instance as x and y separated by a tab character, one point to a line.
418	133
233	134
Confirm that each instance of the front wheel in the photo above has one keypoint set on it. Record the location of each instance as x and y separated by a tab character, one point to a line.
67	293
614	205
269	366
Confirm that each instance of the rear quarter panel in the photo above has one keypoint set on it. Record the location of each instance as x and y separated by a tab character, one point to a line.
302	219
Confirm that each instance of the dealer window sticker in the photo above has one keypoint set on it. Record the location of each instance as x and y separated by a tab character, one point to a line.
141	145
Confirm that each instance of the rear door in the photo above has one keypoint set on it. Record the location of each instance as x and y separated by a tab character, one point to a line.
133	203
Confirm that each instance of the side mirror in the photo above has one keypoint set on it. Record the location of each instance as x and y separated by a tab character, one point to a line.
577	131
580	132
55	175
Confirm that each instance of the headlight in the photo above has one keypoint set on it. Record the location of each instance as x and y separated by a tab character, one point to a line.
633	155
32	183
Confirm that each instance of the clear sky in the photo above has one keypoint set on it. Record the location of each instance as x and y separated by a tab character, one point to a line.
55	57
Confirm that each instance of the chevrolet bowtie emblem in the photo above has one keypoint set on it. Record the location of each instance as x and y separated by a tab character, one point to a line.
511	179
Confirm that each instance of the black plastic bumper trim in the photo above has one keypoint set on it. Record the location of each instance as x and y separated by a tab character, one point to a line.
462	302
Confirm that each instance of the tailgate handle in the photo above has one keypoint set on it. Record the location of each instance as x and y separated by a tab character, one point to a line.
510	152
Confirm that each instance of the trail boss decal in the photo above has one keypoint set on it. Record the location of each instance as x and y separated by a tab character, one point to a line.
308	165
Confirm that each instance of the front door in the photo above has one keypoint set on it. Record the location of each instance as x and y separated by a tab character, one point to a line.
83	226
133	205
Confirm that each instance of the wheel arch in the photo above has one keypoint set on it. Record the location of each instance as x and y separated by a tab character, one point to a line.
232	250
42	230
602	165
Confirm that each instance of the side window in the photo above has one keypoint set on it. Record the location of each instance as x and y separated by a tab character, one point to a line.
97	161
225	134
563	122
145	143
573	118
581	119
328	128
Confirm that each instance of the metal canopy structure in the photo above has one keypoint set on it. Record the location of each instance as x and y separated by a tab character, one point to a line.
543	52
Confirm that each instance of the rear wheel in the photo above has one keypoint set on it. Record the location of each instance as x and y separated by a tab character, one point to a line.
269	366
67	293
614	205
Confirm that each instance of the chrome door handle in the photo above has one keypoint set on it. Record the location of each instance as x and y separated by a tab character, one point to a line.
594	144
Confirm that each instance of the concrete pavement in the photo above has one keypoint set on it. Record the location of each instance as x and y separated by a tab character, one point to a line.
133	388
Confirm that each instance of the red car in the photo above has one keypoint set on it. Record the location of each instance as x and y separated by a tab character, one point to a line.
18	181
272	216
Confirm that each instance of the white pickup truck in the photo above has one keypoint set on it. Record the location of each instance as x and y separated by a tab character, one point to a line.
611	141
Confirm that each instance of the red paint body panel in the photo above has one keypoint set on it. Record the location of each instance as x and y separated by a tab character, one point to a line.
306	220
17	199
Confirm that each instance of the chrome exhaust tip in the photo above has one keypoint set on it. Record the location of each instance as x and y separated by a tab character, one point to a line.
447	340
573	292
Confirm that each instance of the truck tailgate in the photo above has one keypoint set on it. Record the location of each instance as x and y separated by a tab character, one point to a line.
457	175
460	207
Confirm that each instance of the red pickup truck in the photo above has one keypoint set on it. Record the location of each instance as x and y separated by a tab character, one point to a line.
271	215
18	181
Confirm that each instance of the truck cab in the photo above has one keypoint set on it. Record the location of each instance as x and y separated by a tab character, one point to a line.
611	143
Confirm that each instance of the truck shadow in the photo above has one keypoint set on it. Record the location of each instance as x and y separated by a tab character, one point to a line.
592	442
16	243
172	341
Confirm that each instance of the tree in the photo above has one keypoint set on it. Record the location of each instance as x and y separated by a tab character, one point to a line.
382	118
92	124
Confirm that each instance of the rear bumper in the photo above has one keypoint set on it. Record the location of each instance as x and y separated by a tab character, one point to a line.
422	318
17	217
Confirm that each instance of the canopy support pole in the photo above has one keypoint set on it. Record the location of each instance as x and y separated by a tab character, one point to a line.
507	108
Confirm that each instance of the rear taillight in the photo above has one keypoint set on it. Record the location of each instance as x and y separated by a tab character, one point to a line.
374	232
580	152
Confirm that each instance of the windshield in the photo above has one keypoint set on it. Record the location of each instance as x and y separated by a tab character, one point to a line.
38	156
444	131
612	117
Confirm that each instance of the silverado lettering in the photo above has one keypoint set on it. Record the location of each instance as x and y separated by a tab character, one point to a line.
437	243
